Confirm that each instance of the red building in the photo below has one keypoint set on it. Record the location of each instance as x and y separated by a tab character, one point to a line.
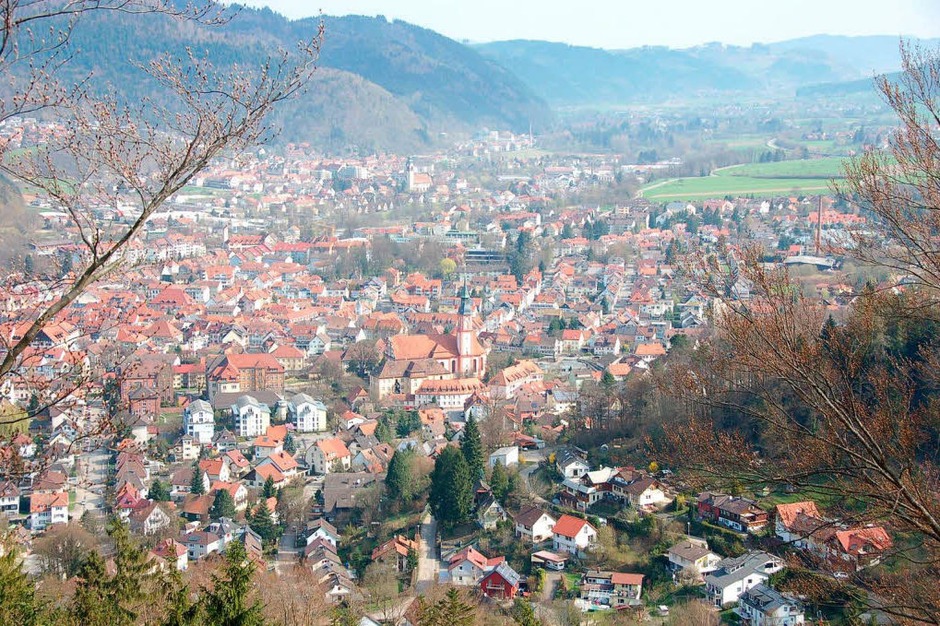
502	583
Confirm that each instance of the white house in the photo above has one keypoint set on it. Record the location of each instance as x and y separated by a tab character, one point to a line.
763	606
9	498
330	455
573	535
199	421
308	415
469	566
692	555
46	509
251	417
534	525
507	456
736	575
322	529
570	464
200	544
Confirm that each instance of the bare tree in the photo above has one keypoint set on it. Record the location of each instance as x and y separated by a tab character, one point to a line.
783	395
110	154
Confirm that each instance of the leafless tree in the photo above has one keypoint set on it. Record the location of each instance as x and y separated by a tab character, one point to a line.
110	154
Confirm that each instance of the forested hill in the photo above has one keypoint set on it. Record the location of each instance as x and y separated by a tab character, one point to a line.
381	85
568	75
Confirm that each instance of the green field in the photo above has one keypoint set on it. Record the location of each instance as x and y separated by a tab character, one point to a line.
827	168
809	176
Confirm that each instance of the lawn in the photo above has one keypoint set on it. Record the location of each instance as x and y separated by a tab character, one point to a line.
704	187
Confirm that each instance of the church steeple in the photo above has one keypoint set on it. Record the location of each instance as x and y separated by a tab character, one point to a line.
466	304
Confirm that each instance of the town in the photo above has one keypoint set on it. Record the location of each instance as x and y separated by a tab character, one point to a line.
400	373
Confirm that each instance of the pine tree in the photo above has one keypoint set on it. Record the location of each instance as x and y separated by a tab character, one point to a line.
159	491
227	603
499	481
268	490
223	505
398	483
452	610
262	523
17	594
472	448
197	485
451	488
290	444
523	613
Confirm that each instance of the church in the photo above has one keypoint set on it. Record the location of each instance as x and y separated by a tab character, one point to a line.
412	359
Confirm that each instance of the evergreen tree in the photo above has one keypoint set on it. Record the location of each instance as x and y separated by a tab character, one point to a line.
159	491
523	613
290	444
262	523
197	485
223	505
383	431
472	448
17	594
451	488
113	600
452	610
398	480
268	490
499	482
32	409
179	608
227	603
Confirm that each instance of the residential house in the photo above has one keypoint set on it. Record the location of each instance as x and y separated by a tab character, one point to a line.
490	513
398	548
148	517
9	498
692	556
644	493
320	529
201	544
199	421
614	589
571	463
861	547
508	456
734	576
251	417
739	514
330	455
764	606
46	509
573	535
171	553
797	522
502	583
308	415
534	525
469	566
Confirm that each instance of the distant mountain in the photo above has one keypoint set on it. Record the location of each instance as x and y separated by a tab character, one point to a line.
567	75
381	85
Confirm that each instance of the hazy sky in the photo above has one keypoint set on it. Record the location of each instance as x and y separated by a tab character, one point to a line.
628	23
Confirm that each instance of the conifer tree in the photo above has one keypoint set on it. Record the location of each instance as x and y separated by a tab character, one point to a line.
398	482
262	523
223	505
197	486
268	490
228	603
159	491
17	594
451	488
472	448
499	481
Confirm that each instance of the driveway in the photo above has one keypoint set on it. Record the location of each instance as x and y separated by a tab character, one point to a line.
428	565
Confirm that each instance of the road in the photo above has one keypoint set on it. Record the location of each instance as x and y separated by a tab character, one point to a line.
428	565
532	460
89	492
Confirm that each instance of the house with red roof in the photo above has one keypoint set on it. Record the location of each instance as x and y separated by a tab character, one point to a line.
46	509
330	455
573	535
469	566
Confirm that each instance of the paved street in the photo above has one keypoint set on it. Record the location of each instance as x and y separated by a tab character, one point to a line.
428	565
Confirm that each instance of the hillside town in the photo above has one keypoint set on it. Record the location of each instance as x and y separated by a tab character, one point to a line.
294	331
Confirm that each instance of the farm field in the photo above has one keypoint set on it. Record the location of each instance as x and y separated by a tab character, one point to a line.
830	167
810	176
705	187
